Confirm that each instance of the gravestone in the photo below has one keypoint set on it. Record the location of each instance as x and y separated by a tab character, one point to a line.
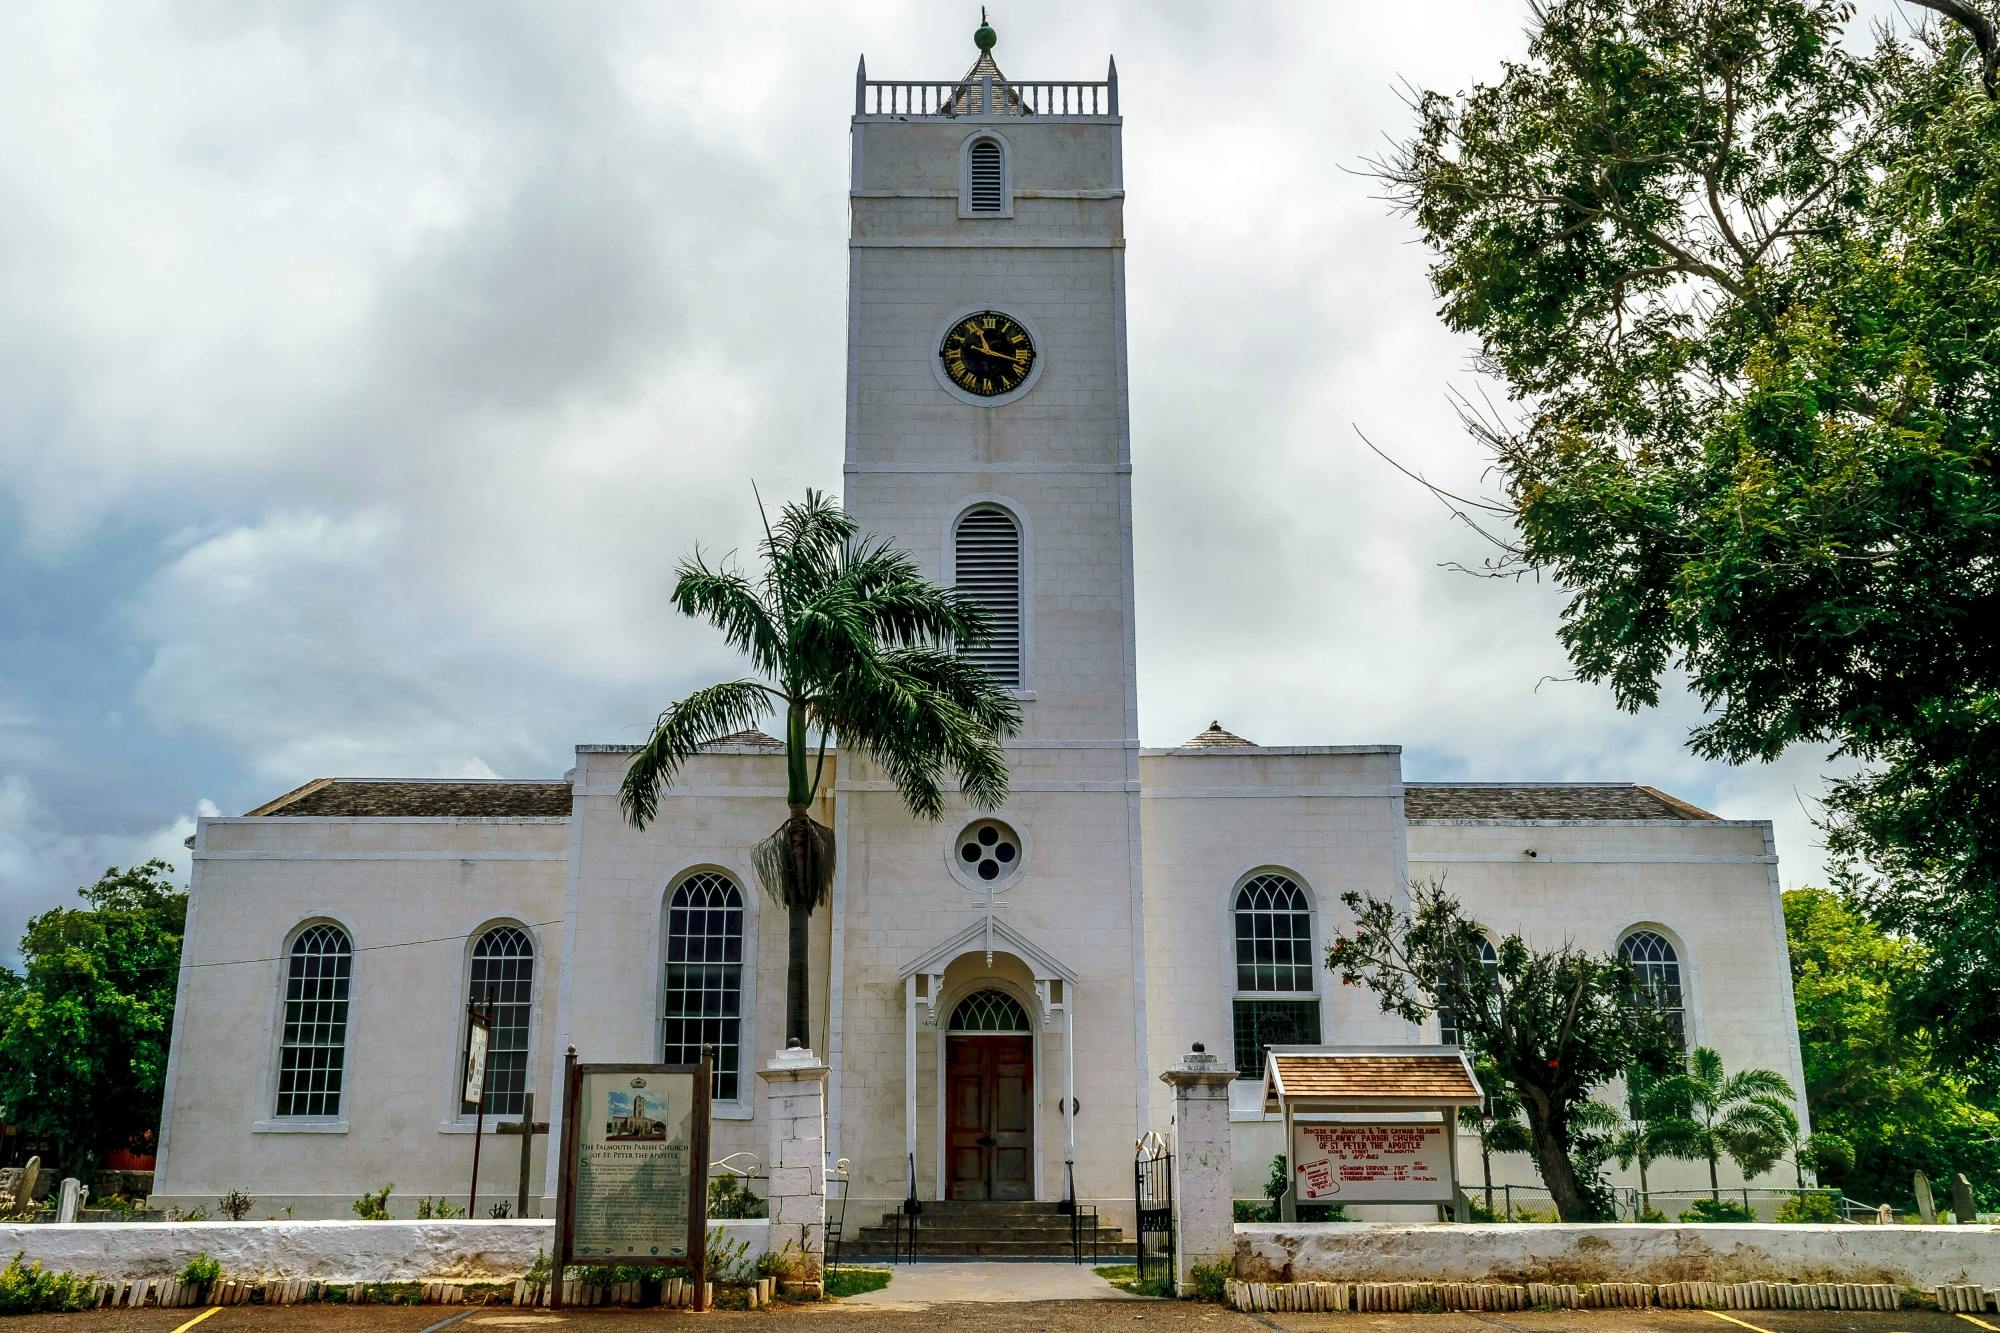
1962	1211
73	1195
29	1173
1926	1206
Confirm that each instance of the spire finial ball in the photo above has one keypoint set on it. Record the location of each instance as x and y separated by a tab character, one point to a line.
985	37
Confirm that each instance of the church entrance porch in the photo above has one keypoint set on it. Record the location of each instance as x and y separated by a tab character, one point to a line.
989	1100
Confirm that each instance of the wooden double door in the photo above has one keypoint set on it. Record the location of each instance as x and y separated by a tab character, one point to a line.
990	1117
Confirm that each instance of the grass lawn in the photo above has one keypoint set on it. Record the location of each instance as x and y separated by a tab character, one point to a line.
845	1281
1125	1277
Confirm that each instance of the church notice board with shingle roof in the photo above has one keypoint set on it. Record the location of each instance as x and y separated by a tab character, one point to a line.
1370	1124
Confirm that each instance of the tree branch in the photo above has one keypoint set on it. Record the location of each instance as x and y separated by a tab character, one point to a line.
1983	36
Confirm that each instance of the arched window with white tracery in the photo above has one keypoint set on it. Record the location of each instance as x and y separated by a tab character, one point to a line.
503	982
1449	1031
1276	1001
703	986
1657	968
986	567
312	1049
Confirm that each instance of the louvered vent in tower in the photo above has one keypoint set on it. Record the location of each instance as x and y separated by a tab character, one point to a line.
988	185
987	552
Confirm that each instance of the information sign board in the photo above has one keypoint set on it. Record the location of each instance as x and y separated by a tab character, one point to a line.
634	1169
1371	1163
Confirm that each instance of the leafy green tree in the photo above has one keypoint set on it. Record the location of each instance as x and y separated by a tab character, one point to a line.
1552	1023
84	1025
1497	1122
1708	1115
1875	1076
1736	276
848	640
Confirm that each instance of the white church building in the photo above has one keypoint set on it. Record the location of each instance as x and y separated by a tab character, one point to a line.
996	994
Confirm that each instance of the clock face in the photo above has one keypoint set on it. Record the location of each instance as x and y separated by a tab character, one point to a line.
987	353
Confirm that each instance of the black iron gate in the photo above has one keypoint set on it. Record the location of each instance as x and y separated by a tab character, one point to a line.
1153	1192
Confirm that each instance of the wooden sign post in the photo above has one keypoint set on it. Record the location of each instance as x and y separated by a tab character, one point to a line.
633	1186
478	1034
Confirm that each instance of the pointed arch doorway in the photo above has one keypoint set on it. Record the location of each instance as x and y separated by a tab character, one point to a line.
989	1099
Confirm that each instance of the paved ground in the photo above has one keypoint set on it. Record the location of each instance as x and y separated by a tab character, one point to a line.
1010	1317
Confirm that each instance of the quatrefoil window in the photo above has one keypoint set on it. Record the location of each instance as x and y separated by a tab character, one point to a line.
989	852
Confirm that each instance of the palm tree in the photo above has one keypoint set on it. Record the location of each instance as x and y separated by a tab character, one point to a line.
1497	1121
1741	1116
849	638
1634	1137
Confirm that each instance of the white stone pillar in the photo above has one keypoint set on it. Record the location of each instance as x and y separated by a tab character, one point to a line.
1204	1210
795	1109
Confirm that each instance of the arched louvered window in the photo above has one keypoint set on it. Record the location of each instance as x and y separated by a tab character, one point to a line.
312	1053
503	979
1449	1031
986	564
1658	970
1276	1004
985	178
704	980
988	1011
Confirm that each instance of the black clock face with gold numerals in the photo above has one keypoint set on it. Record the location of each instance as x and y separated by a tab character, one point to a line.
987	353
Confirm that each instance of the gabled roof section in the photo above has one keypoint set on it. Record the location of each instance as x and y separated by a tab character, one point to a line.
1361	1078
1543	800
965	99
751	739
1215	738
406	798
1044	965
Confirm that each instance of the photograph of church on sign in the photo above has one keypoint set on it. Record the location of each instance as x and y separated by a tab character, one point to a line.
994	995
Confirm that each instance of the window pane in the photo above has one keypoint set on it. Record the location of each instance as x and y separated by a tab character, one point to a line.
1657	969
1261	1024
704	978
503	979
312	1052
1273	936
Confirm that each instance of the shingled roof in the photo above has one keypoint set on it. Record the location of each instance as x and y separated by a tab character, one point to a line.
1553	800
368	798
1215	738
1325	1077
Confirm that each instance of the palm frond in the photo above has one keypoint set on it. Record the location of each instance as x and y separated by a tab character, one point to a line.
726	599
1748	1083
796	881
802	551
920	712
702	717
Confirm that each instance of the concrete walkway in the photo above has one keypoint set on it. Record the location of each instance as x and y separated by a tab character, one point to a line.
920	1286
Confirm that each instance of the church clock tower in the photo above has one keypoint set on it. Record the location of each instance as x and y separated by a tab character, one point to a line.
987	433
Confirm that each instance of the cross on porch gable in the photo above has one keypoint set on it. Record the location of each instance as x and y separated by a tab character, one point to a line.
988	908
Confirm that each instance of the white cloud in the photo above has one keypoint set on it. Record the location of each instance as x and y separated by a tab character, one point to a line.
435	334
41	865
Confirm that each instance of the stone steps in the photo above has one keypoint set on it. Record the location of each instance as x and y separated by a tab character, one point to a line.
982	1229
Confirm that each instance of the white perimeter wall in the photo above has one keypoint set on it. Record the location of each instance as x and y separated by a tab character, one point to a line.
1919	1257
325	1251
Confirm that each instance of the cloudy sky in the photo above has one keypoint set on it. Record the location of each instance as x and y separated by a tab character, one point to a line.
364	368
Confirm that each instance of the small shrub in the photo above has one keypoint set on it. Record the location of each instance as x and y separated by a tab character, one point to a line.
1211	1281
235	1205
438	1208
202	1271
787	1264
1251	1210
1653	1215
500	1212
1718	1210
31	1289
729	1260
730	1198
374	1207
1812	1208
540	1270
